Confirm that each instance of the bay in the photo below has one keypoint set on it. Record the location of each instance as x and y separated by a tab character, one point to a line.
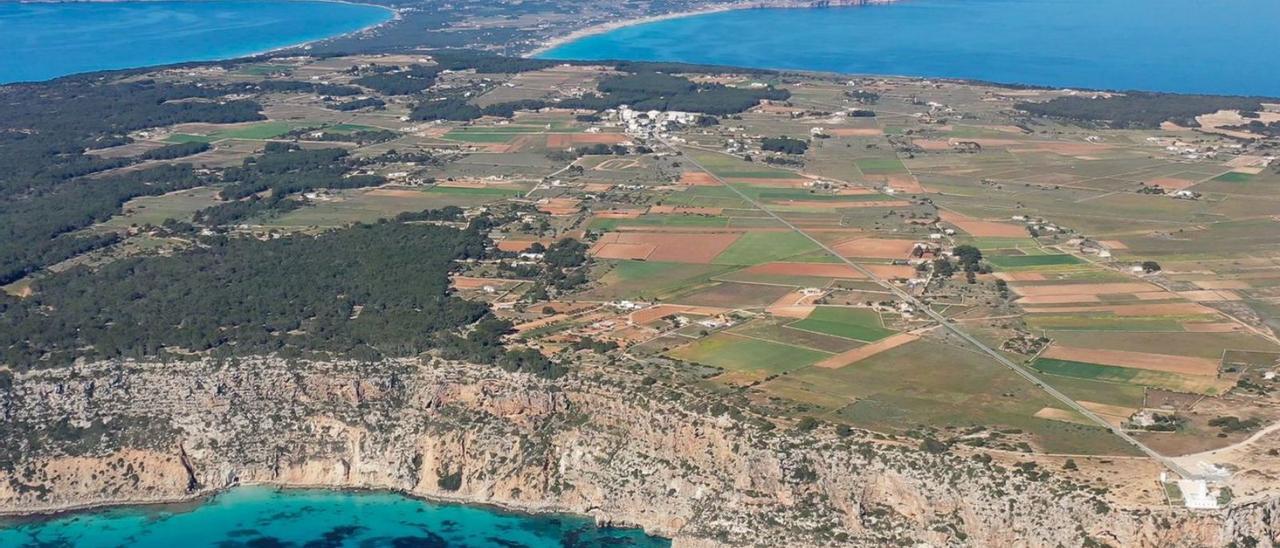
1188	46
43	40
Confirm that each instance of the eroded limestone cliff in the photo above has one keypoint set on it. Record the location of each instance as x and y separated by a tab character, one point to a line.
604	441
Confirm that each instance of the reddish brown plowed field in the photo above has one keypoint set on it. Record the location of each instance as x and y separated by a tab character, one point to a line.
679	210
622	251
641	317
1183	365
519	245
863	352
1209	295
983	229
467	282
877	248
567	140
698	178
1169	183
619	214
1162	309
905	183
559	206
1084	289
665	246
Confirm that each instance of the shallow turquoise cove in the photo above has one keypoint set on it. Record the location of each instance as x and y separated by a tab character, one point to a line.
266	517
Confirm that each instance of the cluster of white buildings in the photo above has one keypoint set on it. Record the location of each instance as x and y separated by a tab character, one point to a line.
651	123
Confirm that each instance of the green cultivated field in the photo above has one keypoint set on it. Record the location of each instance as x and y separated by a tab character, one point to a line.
1203	345
1234	177
1023	261
786	335
705	196
933	384
659	220
853	323
492	193
366	206
881	166
762	247
179	205
749	355
265	130
1107	373
731	167
652	279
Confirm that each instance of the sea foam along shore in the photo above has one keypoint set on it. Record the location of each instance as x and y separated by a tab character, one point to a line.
602	28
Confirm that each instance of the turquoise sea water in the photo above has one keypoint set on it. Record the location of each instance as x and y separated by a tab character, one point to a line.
266	517
1204	46
39	41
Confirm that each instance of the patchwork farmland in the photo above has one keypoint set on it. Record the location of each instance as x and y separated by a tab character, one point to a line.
818	256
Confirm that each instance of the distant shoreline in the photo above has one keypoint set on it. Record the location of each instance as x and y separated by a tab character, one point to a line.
603	28
395	16
300	46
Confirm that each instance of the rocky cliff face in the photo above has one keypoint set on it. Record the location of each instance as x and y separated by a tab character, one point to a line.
601	442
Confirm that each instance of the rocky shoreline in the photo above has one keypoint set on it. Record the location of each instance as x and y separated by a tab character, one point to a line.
594	443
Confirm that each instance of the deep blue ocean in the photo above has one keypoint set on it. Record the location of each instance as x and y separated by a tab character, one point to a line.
267	518
39	41
1191	46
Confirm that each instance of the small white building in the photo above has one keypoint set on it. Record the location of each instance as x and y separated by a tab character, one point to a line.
1196	494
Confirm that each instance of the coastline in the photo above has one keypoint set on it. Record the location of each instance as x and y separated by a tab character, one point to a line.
9	518
302	46
602	28
395	17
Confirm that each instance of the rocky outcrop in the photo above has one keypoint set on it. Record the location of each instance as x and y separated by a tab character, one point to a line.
602	442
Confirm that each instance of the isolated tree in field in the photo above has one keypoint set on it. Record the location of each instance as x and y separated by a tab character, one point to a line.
1150	266
968	256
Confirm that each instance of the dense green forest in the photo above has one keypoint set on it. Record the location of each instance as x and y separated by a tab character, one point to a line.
1258	127
357	104
37	231
458	109
397	81
1139	109
658	91
285	168
784	144
335	90
640	91
178	150
369	290
45	133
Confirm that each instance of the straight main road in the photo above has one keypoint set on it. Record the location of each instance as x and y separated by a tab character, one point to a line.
949	326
